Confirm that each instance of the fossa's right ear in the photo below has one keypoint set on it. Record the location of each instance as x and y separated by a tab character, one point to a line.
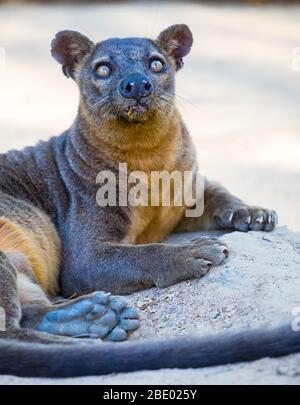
69	48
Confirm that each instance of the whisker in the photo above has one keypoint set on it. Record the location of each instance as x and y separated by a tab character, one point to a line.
182	99
186	100
98	104
166	100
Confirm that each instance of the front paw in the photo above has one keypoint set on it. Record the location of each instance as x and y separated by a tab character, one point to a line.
191	260
246	219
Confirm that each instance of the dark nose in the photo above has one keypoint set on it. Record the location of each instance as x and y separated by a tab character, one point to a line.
135	86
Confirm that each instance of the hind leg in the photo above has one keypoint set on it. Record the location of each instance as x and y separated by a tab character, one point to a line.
9	301
97	315
25	304
10	305
31	258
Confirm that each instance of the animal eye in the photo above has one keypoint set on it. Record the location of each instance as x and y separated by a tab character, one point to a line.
103	70
156	65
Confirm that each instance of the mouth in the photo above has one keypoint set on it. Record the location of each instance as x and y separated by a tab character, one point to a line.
137	112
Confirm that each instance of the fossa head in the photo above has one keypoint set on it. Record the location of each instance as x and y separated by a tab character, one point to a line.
130	80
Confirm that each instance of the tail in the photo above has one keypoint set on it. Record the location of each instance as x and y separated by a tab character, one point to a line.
39	360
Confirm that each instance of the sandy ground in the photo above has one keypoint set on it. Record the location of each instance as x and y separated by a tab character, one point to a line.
240	98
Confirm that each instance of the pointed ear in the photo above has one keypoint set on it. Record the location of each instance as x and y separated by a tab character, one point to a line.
177	41
69	48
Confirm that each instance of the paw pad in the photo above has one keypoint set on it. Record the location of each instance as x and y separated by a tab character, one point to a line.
97	315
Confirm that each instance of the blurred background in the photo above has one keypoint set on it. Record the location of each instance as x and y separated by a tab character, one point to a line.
239	91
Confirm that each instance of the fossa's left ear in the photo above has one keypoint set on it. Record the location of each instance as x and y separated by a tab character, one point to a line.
176	41
69	48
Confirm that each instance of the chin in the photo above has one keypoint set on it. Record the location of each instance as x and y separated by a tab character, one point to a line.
137	114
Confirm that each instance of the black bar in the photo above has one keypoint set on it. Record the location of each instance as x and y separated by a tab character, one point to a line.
135	394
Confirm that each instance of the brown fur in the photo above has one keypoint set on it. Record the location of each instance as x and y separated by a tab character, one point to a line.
160	144
39	246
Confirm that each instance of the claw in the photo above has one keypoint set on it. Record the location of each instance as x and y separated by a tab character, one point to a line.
230	215
259	220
